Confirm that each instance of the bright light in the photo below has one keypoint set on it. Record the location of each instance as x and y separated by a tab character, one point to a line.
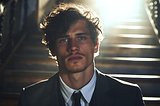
1	8
41	11
151	98
130	20
112	10
131	27
133	46
130	58
134	76
134	36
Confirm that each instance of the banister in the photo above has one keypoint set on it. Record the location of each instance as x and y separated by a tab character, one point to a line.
153	11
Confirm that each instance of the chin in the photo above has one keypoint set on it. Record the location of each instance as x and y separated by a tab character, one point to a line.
77	69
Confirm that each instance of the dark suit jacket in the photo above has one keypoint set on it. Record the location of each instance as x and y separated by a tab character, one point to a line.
109	92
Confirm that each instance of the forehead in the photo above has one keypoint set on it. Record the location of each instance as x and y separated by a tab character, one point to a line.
78	26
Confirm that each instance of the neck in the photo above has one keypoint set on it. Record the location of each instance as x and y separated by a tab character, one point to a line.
78	80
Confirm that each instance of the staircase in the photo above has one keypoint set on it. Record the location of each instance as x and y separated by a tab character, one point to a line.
130	51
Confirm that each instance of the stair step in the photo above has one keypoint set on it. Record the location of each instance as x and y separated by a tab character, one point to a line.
152	101
151	62
33	48
128	69
33	62
128	40
31	45
31	51
133	21
131	46
9	98
36	37
132	36
132	31
126	50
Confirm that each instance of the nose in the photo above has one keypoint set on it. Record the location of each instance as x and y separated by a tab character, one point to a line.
73	46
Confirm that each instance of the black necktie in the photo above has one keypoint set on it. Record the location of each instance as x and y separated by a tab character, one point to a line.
77	97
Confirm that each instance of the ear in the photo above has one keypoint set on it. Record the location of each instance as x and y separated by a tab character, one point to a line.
96	47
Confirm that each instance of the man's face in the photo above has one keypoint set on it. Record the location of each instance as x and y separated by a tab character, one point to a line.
75	49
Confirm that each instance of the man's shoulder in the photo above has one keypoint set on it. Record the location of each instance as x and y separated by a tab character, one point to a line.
36	85
125	93
117	83
37	91
41	84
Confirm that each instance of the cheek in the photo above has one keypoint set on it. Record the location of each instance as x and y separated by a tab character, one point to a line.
60	49
89	50
61	53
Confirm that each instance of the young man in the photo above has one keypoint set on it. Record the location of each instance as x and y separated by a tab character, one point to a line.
73	35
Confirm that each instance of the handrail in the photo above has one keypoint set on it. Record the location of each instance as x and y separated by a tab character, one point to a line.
10	43
13	51
11	35
153	11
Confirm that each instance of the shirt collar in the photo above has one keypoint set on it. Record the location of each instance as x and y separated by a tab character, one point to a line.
87	90
67	91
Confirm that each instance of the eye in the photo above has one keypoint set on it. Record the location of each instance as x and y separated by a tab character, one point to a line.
63	40
81	38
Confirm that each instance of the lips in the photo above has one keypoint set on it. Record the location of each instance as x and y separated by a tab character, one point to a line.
74	58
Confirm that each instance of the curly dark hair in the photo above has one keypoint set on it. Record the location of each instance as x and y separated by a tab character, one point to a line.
62	16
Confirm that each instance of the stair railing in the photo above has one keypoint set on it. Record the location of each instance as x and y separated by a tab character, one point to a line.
10	44
11	40
1	26
153	11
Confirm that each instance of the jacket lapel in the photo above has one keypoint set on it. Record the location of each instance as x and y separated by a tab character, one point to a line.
49	98
103	96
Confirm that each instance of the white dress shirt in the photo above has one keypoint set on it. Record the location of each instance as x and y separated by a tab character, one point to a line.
87	92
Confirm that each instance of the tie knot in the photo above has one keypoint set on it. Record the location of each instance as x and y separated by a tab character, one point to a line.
77	97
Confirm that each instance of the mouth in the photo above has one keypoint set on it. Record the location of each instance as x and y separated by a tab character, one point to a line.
75	58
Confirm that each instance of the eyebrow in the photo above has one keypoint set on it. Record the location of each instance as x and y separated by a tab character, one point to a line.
78	34
82	34
64	36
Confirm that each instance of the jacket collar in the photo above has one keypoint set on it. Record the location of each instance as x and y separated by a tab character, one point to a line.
52	86
102	89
